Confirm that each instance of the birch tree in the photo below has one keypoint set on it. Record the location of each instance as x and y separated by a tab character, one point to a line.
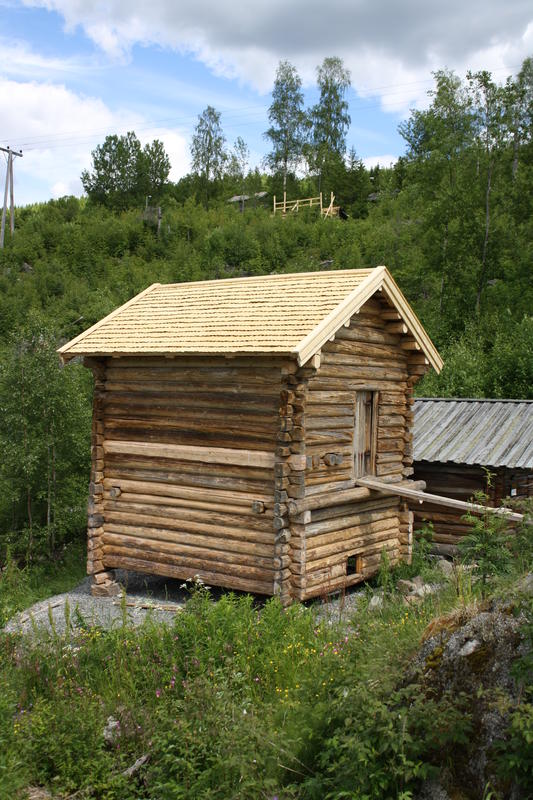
330	118
288	122
208	153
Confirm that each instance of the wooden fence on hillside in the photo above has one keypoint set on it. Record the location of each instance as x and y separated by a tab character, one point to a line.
293	206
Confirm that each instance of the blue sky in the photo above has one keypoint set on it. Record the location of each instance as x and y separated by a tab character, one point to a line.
74	71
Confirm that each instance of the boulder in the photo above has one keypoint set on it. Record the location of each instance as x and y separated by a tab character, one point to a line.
525	586
470	653
111	732
445	566
431	790
376	602
406	587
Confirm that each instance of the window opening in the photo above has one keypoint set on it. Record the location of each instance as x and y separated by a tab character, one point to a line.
354	565
365	433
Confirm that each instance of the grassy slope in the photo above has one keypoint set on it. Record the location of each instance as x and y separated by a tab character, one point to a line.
20	588
229	702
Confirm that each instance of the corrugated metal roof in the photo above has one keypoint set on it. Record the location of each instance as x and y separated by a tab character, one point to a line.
494	433
290	314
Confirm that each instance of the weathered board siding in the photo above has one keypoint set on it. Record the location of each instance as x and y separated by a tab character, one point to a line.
183	469
461	482
366	356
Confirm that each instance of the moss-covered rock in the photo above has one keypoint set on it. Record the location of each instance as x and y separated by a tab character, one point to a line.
471	653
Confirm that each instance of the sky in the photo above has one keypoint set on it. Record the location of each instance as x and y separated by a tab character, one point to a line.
74	71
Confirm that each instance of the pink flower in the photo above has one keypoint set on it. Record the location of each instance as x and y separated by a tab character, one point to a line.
158	692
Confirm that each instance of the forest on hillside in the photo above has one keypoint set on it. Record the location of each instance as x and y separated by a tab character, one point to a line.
452	219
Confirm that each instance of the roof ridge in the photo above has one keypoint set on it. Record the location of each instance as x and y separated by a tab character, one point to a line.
471	400
272	276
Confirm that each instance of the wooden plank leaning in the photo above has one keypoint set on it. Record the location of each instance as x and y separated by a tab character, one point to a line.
413	493
337	498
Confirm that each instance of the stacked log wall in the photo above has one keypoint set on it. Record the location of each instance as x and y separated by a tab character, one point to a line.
369	355
462	482
189	469
95	509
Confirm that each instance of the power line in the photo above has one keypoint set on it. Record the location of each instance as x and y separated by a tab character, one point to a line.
8	187
241	116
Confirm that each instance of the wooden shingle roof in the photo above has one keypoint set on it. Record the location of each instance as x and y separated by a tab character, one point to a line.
290	315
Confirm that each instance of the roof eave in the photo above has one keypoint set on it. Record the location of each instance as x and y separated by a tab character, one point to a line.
379	278
351	304
395	295
63	351
273	354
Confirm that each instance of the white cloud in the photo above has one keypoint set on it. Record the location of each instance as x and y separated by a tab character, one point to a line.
176	146
386	160
19	61
52	162
385	44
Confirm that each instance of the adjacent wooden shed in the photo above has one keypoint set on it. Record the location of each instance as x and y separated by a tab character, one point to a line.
235	420
455	442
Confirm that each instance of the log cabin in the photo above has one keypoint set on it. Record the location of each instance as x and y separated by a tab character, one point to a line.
457	442
235	422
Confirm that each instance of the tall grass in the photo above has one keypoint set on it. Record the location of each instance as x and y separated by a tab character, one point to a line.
231	700
20	587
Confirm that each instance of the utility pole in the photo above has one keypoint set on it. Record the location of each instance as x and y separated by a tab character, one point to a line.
8	187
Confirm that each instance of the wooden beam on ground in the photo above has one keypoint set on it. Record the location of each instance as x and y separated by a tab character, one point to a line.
414	494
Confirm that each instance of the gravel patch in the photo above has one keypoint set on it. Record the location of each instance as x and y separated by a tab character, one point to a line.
145	594
340	608
161	598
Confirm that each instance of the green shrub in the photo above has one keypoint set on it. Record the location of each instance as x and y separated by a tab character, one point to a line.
515	753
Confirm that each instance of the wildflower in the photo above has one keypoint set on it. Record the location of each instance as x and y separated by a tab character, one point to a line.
158	692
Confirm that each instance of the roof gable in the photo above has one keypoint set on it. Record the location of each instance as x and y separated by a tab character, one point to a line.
289	314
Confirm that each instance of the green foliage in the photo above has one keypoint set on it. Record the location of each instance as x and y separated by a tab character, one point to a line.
422	563
330	121
398	736
124	174
207	698
517	761
491	358
208	154
384	578
231	700
44	436
521	542
515	753
288	121
20	587
486	548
